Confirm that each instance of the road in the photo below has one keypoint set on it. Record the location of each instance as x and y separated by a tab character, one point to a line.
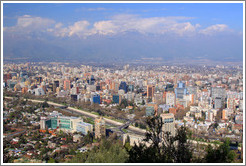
82	112
16	133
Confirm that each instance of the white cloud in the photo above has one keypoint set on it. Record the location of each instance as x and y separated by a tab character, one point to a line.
78	28
214	29
115	25
104	27
58	25
154	25
29	23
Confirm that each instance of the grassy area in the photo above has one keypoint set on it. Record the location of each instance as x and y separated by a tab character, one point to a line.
108	126
125	130
118	120
216	142
95	113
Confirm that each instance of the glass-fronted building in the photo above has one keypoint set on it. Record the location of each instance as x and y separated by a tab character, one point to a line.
70	124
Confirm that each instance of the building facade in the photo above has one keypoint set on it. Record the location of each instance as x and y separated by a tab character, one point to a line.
168	123
100	129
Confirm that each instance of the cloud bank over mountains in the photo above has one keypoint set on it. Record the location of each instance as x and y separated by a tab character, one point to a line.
115	25
121	37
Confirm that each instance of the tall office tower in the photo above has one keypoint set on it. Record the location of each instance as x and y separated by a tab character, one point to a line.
123	86
42	123
170	99
116	86
131	88
168	123
218	103
100	129
150	91
102	85
116	99
180	91
158	98
96	98
169	87
92	80
150	111
55	85
218	92
230	103
67	85
224	114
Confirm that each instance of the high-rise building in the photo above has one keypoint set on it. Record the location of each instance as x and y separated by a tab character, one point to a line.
224	114
150	91
131	88
67	85
100	129
170	99
218	103
116	86
84	128
150	111
96	98
158	98
123	86
55	85
209	116
42	123
74	97
116	99
92	80
230	103
180	91
169	87
218	92
168	123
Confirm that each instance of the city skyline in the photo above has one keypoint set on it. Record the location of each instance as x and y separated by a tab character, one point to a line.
123	31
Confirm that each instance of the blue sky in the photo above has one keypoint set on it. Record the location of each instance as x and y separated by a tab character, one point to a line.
205	14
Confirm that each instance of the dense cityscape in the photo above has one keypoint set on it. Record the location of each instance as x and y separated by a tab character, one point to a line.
61	112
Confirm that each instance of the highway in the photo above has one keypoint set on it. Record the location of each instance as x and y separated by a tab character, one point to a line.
107	120
14	134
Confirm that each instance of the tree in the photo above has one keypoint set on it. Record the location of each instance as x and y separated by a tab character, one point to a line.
88	139
45	104
163	147
109	151
127	144
124	103
51	160
222	154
